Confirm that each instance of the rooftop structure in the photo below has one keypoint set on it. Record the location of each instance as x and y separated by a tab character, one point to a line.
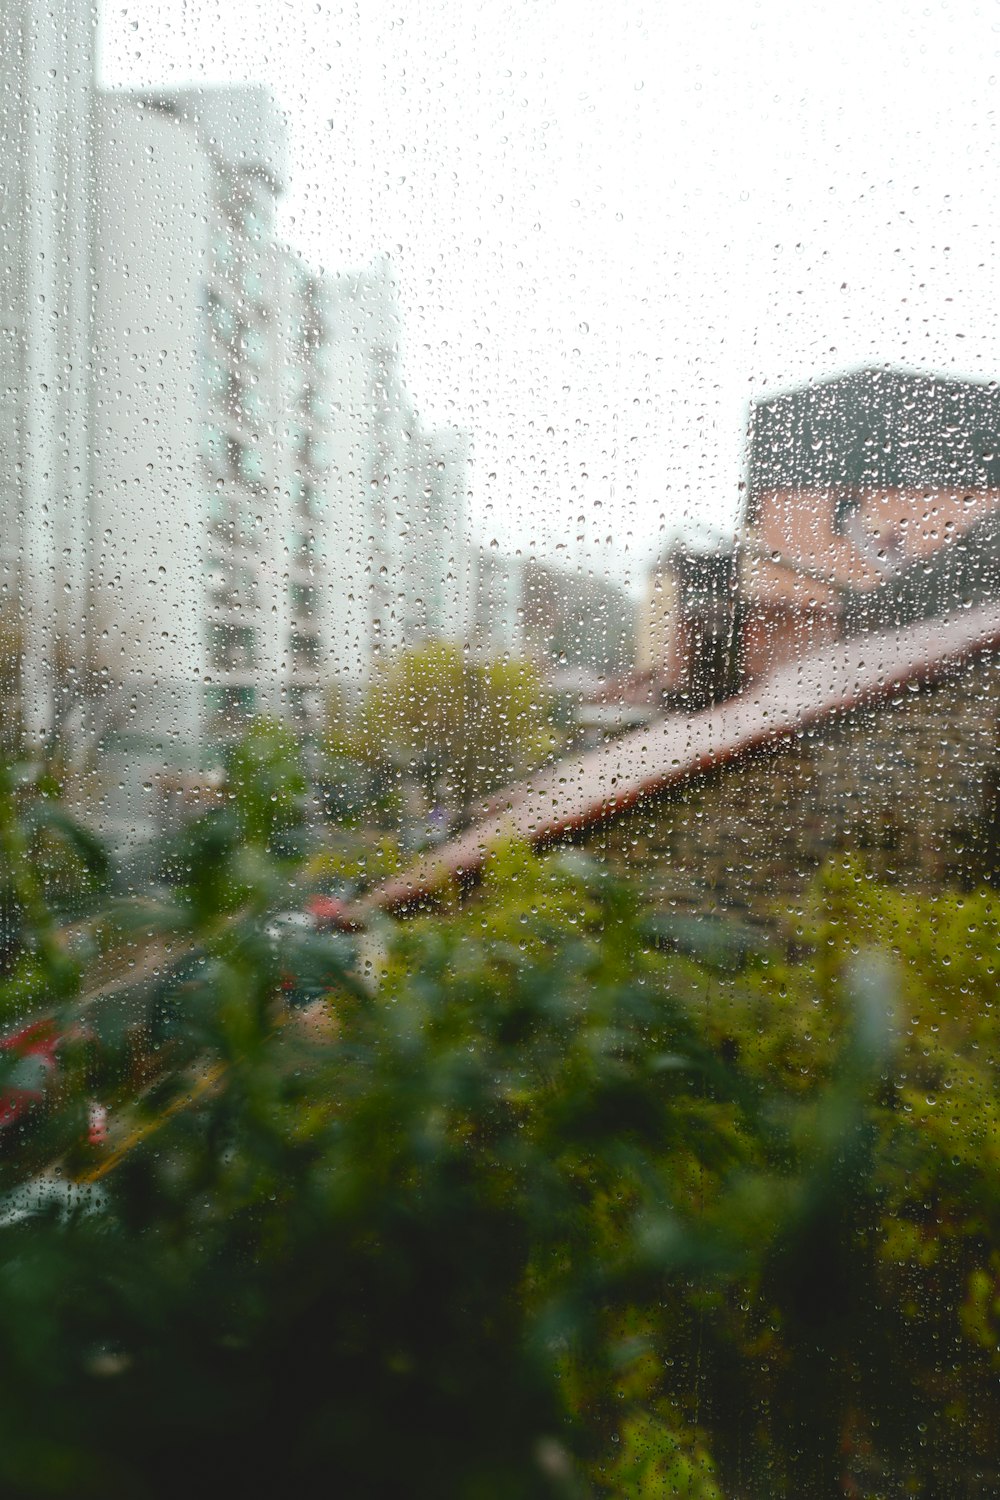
688	626
851	482
811	695
875	430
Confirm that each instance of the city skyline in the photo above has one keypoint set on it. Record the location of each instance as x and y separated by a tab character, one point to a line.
222	498
589	210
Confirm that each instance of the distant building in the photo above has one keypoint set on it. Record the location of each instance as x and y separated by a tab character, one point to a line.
688	626
576	618
210	509
219	496
271	515
658	620
399	567
855	484
212	504
573	624
495	618
46	68
872	499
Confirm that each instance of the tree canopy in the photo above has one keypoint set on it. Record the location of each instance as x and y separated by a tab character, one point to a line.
459	726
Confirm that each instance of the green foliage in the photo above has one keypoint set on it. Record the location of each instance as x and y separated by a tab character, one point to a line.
49	866
356	858
266	782
936	1175
579	1200
732	1210
356	783
339	736
220	863
461	728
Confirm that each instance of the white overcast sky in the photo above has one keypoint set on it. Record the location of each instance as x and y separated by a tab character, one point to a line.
614	223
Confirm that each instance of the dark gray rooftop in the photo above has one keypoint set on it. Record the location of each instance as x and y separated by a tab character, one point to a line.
876	429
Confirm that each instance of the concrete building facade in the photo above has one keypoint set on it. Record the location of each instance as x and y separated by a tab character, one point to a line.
872	499
399	573
46	68
852	483
689	627
222	498
210	508
496	613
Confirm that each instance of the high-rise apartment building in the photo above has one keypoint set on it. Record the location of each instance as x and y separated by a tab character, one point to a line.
222	497
859	488
46	70
265	484
496	614
400	488
212	503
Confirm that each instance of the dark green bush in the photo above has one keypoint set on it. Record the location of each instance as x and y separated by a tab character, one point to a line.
561	1201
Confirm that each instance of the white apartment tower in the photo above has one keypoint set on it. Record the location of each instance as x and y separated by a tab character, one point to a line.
46	71
210	465
286	512
400	489
220	496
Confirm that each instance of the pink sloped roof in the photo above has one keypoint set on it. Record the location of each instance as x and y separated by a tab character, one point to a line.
587	789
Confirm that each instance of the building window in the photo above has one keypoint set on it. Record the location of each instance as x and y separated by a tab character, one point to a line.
252	467
302	548
304	649
222	252
254	346
222	318
228	707
213	449
218	503
231	647
845	508
319	454
216	378
303	600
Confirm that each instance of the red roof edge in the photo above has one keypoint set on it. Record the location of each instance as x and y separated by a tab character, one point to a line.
586	790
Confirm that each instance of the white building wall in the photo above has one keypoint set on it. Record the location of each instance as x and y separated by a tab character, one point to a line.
213	337
398	489
362	392
46	72
222	491
451	483
149	497
307	539
495	615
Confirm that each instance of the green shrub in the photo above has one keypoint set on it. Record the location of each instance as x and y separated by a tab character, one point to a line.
572	1202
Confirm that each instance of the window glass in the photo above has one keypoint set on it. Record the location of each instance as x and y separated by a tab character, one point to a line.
499	750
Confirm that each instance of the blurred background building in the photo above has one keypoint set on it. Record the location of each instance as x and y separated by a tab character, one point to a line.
563	619
872	499
296	493
222	498
46	205
399	570
496	617
689	622
855	486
